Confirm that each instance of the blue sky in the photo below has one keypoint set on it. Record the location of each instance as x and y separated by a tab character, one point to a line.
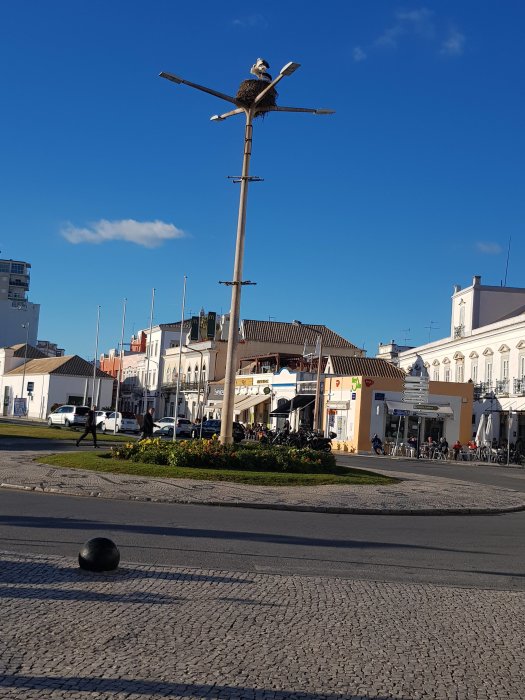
114	181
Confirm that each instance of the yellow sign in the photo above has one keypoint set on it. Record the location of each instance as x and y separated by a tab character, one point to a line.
244	381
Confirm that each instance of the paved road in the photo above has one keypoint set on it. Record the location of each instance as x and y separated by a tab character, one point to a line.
257	604
472	551
495	475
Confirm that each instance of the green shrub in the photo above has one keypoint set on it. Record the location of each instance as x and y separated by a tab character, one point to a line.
212	455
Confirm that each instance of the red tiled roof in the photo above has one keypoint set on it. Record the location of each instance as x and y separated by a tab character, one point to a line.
292	334
32	352
364	366
71	365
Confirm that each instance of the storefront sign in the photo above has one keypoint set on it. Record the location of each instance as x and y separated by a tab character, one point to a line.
340	405
244	381
307	387
261	381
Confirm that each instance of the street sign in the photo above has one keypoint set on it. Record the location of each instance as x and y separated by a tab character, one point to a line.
416	380
411	397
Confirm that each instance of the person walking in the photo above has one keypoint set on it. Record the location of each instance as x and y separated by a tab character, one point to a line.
147	424
91	427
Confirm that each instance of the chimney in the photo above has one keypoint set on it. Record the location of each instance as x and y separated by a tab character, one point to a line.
457	288
476	280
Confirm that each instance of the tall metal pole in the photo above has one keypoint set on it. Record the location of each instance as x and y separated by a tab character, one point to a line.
25	363
148	350
508	435
180	360
96	356
226	437
318	384
119	377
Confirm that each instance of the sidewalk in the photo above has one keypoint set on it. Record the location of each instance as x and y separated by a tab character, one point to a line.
413	495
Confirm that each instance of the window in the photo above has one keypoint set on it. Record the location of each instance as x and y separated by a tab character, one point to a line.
505	368
488	372
4	267
17	268
447	374
459	373
522	366
474	372
436	375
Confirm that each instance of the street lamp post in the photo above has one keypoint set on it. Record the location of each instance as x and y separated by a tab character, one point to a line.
319	344
26	326
251	111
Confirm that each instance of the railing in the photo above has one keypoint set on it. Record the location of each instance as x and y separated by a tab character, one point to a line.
482	389
183	386
502	386
519	386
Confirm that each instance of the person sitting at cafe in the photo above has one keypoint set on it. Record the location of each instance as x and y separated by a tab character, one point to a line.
456	449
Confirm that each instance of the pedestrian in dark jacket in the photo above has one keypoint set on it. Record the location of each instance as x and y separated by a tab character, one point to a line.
91	427
147	424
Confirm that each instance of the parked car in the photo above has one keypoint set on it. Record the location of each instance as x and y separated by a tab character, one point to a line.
100	417
184	425
126	423
167	432
68	415
213	427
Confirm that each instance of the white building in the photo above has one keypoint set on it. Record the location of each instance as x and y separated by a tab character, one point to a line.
25	373
18	316
486	346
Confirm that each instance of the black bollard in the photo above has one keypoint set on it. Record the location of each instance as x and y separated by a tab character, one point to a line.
99	554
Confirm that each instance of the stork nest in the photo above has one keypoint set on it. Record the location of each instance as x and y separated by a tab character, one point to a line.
248	91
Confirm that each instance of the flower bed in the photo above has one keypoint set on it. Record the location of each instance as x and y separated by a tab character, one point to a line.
212	455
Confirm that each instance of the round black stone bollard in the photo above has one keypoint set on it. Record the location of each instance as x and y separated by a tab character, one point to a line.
99	554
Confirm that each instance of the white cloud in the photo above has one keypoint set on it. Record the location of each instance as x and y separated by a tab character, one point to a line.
358	54
150	234
251	22
417	22
488	248
454	44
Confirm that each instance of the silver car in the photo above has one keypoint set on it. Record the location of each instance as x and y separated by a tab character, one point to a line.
68	416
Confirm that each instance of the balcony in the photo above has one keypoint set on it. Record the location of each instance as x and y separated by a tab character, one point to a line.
502	387
519	386
19	283
482	390
183	386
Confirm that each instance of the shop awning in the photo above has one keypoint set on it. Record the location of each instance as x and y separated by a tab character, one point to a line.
299	401
236	401
249	401
399	408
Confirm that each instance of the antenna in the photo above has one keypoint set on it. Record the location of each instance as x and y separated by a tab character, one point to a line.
405	331
507	265
433	326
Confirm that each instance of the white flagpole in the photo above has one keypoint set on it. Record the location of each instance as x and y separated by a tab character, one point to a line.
119	376
95	363
148	350
174	437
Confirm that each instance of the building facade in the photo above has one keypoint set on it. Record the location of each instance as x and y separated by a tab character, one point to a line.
486	348
18	316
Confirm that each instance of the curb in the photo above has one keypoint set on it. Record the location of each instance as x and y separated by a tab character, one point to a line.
336	510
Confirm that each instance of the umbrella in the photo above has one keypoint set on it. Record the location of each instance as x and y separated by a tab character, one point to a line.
488	430
480	433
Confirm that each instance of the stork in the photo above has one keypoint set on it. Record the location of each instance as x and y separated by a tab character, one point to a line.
259	69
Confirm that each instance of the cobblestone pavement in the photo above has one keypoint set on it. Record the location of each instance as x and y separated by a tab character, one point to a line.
163	632
413	495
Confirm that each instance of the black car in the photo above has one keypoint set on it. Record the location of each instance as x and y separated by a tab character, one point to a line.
213	427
